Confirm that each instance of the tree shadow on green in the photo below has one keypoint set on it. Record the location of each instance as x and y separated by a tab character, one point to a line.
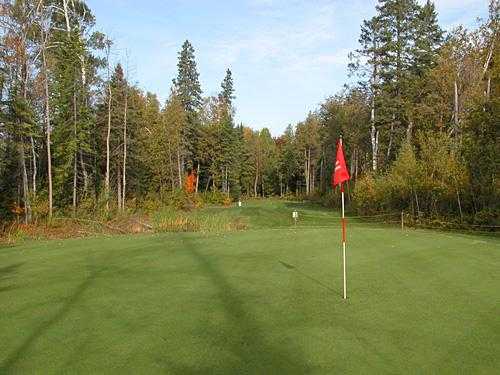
13	358
246	340
7	273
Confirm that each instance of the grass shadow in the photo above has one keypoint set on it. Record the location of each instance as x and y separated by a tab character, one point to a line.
13	358
247	341
309	277
6	274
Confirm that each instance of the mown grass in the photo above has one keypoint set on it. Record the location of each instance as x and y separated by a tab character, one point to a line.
262	301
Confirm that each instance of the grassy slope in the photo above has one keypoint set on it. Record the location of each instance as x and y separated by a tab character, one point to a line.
260	301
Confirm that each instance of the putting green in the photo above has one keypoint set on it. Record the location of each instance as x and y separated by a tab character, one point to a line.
263	301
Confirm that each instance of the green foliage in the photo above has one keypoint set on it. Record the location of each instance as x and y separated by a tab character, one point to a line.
213	197
429	183
187	84
366	195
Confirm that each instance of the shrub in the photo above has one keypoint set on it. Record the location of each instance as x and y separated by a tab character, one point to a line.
487	217
213	197
365	195
227	201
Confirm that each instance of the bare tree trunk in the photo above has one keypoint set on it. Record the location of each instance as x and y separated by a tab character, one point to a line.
223	181
48	129
488	87
374	133
124	173
22	156
312	175
460	206
321	174
75	171
391	136
309	169
416	203
108	137
66	15
306	170
85	175
24	174
208	183
409	130
75	156
256	181
33	156
487	64
119	190
455	108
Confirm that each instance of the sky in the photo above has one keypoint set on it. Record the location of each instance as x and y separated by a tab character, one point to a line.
286	56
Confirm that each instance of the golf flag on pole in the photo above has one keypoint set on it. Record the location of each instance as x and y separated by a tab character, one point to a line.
340	175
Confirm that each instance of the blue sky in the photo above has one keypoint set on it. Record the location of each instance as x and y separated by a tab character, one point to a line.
286	55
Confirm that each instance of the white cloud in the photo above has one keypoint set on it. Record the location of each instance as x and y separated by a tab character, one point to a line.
283	43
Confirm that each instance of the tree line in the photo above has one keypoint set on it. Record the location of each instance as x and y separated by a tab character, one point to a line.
420	122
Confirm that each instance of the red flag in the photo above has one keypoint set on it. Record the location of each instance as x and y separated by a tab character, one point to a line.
340	173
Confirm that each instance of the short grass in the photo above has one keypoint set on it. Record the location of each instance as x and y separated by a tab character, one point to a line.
262	301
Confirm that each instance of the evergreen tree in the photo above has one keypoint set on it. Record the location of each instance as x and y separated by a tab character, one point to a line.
428	40
187	83
188	89
227	93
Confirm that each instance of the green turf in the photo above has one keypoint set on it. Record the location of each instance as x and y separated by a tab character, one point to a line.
263	301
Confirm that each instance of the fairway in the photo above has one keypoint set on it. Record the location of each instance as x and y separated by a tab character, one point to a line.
262	301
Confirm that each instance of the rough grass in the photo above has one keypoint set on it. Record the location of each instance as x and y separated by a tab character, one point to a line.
263	301
201	220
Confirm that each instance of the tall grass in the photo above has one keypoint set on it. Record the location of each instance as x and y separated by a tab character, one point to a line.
169	220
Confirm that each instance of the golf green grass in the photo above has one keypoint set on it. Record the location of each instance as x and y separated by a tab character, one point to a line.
262	301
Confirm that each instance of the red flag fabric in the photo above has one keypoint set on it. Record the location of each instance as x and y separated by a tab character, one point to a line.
340	174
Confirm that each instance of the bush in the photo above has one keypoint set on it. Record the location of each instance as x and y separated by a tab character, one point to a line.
227	201
365	195
487	217
213	197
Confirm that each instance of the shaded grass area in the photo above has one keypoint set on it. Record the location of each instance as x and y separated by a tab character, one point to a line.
259	301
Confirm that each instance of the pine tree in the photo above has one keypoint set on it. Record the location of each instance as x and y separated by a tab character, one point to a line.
371	51
187	83
227	93
428	40
188	89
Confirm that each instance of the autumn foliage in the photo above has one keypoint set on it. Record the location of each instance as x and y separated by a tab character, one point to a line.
190	183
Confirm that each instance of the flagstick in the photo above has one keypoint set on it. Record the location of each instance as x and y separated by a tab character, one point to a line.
343	243
339	177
